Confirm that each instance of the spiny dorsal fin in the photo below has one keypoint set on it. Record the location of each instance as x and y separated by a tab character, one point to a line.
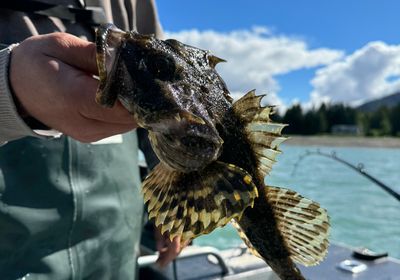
248	106
195	203
303	223
214	60
263	134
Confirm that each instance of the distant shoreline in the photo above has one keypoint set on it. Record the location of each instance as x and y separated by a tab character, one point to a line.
344	141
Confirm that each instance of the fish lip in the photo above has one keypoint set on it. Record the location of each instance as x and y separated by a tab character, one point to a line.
109	40
183	127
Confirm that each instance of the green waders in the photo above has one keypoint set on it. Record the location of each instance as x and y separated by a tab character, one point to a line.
69	210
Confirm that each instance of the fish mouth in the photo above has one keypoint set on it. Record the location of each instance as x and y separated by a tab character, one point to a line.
187	143
188	153
186	128
109	40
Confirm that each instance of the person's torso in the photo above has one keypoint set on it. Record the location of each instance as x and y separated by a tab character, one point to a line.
70	210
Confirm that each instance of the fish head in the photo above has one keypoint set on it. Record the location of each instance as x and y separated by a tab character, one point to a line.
171	89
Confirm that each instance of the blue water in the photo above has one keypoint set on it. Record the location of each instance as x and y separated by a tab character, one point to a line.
362	214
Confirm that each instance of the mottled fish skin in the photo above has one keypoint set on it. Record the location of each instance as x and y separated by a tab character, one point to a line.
258	223
214	153
157	81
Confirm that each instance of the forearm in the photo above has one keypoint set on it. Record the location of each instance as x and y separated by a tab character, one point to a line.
12	125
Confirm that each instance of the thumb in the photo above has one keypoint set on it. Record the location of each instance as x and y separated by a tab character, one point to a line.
71	50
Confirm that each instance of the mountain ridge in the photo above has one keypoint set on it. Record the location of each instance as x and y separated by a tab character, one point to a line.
373	105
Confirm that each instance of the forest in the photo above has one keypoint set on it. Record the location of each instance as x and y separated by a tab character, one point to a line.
384	121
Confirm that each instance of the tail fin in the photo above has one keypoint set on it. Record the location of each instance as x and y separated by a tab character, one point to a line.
195	203
263	134
302	223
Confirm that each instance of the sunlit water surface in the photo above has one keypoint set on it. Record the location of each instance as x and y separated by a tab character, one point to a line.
362	214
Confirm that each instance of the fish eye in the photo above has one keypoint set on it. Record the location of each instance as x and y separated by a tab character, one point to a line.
162	66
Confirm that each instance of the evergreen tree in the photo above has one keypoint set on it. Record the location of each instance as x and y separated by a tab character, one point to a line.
323	122
395	120
384	121
314	122
294	118
379	122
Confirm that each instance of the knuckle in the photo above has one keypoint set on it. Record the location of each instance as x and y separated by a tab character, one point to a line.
53	38
60	40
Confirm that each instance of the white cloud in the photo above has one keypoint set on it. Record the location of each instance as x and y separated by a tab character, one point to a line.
370	72
256	56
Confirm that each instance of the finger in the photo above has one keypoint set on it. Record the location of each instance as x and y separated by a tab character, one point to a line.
116	114
75	52
171	253
69	49
161	243
92	130
57	92
185	244
82	89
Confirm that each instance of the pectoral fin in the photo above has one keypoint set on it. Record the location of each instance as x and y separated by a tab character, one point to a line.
195	203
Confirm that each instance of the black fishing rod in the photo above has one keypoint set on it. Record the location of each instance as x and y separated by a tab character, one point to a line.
359	169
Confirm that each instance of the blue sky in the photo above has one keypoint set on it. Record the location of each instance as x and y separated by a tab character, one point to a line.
350	50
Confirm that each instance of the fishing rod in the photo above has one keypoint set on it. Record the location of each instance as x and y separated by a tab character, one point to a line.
359	169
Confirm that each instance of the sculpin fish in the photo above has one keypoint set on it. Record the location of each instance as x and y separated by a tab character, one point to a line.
214	153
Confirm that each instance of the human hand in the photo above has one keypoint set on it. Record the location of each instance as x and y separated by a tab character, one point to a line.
52	79
168	250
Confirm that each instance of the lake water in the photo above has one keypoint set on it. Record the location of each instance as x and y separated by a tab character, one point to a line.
362	214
